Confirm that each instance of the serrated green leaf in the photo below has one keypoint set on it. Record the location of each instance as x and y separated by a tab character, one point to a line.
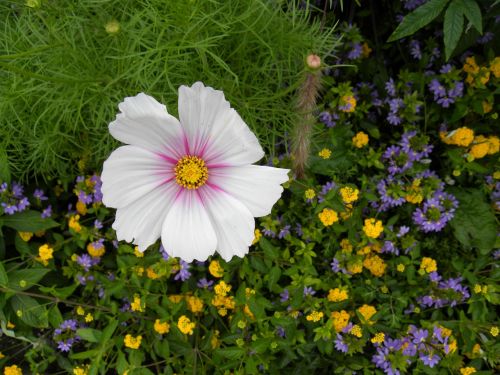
419	18
28	221
453	27
473	13
30	311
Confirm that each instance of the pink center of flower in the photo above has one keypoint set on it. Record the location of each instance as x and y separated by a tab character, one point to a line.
191	172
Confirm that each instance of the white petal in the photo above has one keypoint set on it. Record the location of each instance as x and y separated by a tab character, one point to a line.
233	223
214	130
187	232
146	123
257	187
141	221
131	172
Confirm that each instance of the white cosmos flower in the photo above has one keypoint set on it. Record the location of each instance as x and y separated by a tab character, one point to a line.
190	181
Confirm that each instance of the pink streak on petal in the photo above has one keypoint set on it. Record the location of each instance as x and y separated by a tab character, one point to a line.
167	158
218	165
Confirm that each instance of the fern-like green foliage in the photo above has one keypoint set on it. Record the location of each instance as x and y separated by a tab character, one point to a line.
62	73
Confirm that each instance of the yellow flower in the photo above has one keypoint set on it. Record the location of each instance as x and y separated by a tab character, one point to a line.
375	265
360	140
467	370
373	227
494	331
309	194
132	342
1	355
138	253
470	65
487	107
257	237
249	292
81	370
315	316
349	194
248	312
25	236
215	269
81	208
340	320
462	136
477	288
328	217
378	338
12	370
484	75
80	311
185	325
356	331
151	273
346	245
367	312
194	304
365	50
89	317
355	267
347	103
337	295
428	265
45	254
214	341
112	27
137	305
10	325
325	153
175	298
495	66
480	147
96	249
476	349
160	327
493	144
221	289
74	224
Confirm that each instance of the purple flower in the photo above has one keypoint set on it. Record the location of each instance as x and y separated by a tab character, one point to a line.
437	89
413	4
183	274
17	190
284	296
340	344
355	52
204	283
445	69
284	232
486	38
70	324
39	194
390	87
84	197
3	187
309	291
9	209
97	224
394	119
268	233
280	331
328	119
420	335
64	346
325	189
86	261
298	230
402	231
23	204
415	51
429	359
457	91
164	253
390	248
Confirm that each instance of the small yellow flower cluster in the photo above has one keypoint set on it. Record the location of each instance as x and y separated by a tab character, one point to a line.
248	312
161	327
309	194
96	249
347	103
428	265
12	370
477	75
373	227
360	140
337	295
25	236
356	331
215	269
175	298
460	137
221	300
221	289
2	355
194	304
355	266
112	27
325	153
315	316
452	347
132	342
340	320
137	304
349	194
81	370
257	236
482	146
138	253
494	331
214	341
346	246
375	265
378	338
367	312
81	208
414	192
480	289
400	267
365	50
74	223
328	217
151	274
467	370
185	325
44	254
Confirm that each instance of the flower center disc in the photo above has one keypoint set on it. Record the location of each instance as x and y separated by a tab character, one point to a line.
191	172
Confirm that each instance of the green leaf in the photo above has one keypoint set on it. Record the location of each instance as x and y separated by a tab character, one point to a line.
4	167
25	279
3	276
453	27
417	19
231	353
474	223
62	293
473	13
30	311
85	355
89	334
274	276
28	221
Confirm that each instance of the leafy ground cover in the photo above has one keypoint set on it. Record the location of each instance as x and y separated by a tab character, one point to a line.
382	258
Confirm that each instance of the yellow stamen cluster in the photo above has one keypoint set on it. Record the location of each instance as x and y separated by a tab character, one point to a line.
360	140
461	137
356	331
185	325
221	300
132	342
191	172
325	153
378	338
309	194
161	327
315	316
